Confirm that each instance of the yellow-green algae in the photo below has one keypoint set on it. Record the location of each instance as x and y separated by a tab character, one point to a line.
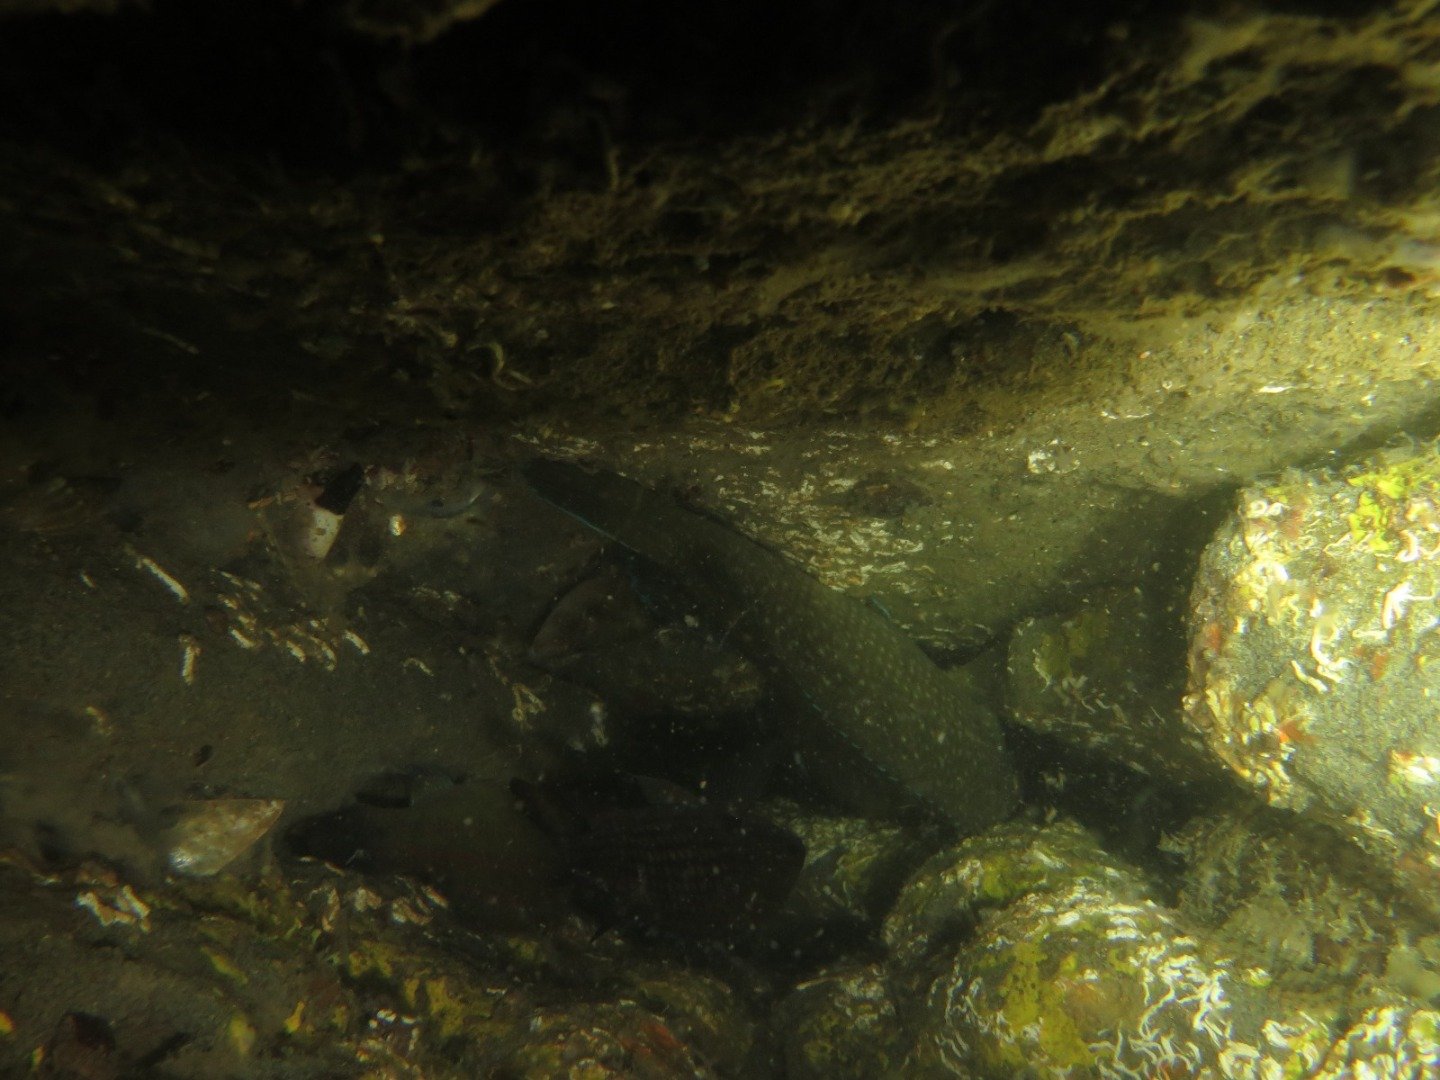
1034	995
455	1005
1385	487
1057	652
841	1025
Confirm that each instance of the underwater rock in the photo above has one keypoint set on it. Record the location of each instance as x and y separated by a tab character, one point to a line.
1028	952
1108	676
1314	662
945	898
1300	898
841	1024
879	726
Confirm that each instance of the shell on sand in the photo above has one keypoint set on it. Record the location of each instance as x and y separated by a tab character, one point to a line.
210	835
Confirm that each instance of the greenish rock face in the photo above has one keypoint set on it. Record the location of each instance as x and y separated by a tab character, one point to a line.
1106	676
863	696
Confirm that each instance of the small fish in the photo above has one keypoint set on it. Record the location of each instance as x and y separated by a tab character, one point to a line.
640	858
879	726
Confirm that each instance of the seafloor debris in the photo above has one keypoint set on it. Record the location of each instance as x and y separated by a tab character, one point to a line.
160	574
256	618
211	835
112	901
339	977
460	835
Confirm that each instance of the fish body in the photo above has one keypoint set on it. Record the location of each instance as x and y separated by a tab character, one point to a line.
465	836
678	868
603	636
879	726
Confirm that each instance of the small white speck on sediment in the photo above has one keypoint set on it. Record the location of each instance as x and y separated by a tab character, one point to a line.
189	657
150	566
101	719
243	641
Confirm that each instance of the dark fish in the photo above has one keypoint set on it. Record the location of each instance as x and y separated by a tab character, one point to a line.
464	836
664	866
879	725
602	636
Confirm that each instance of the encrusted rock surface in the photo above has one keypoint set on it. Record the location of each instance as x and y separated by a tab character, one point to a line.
1313	653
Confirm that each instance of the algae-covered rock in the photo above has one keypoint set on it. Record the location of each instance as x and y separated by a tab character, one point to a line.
841	1024
1298	897
1027	952
945	898
1313	652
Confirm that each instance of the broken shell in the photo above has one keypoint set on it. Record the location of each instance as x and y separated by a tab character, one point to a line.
211	835
299	529
318	535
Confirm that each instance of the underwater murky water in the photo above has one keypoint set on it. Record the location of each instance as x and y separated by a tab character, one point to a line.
503	788
561	544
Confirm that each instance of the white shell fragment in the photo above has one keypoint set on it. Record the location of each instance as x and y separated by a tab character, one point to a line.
150	566
210	835
318	535
122	907
189	655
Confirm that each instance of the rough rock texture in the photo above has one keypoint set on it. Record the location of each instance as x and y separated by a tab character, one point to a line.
1109	677
1312	658
1028	952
